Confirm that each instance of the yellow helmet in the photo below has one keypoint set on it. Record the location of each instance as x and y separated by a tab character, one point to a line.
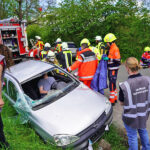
109	37
147	49
85	41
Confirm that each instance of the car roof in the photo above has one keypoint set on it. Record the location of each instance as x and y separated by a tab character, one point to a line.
28	69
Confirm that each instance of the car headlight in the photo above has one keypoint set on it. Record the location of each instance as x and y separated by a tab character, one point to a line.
64	139
108	106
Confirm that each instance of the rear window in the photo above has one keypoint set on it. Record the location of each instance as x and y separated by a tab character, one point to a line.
71	45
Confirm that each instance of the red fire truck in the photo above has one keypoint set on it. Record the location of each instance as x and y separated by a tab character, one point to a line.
13	35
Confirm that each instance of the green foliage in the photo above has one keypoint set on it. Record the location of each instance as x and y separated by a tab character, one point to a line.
74	20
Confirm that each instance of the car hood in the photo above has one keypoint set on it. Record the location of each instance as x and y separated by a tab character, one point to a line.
72	113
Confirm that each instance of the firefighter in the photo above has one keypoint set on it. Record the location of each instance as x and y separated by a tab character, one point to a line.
65	56
39	44
51	58
113	65
58	47
43	54
95	50
86	63
100	45
145	60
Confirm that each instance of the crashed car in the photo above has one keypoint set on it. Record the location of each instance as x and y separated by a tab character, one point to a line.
68	116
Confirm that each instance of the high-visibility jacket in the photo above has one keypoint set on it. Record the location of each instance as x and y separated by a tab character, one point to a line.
136	95
87	64
58	48
64	58
43	54
114	57
101	47
96	51
146	55
39	45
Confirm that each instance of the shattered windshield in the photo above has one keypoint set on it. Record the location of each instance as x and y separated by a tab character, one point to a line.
48	87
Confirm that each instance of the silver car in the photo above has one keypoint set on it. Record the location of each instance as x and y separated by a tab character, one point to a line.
73	48
68	116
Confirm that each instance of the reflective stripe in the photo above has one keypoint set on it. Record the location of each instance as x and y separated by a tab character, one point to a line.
136	115
86	77
111	96
69	69
137	105
110	62
91	58
129	93
80	60
113	68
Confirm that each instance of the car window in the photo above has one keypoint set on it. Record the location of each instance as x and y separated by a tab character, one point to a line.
63	83
13	92
5	85
71	45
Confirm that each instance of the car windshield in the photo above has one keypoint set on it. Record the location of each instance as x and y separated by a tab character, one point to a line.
59	81
71	45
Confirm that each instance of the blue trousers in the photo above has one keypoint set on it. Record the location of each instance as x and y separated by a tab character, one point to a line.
133	139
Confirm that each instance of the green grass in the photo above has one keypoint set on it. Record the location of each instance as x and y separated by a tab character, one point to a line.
113	137
23	137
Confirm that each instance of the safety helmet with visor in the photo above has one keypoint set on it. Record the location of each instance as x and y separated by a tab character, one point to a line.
110	37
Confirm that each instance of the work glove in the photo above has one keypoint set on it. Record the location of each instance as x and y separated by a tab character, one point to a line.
105	58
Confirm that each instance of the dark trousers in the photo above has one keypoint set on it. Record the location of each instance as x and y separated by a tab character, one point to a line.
112	76
2	137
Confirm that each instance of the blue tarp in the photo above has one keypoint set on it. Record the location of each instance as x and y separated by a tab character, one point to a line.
99	82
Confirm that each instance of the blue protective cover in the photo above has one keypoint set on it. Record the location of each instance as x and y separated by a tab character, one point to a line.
99	82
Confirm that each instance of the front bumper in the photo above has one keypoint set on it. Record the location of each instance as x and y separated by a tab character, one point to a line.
94	132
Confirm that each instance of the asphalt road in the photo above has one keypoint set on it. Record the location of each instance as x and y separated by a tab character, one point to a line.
117	114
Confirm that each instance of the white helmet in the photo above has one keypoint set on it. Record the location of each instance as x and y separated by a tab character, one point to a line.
98	38
64	46
58	40
38	37
51	56
47	45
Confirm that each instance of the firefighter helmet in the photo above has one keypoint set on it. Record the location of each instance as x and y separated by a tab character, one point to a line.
85	41
64	46
98	38
51	56
38	37
58	40
47	45
146	49
109	37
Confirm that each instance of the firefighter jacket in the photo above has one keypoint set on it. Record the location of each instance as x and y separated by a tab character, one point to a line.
136	101
146	55
43	54
58	48
114	57
39	45
101	48
99	82
96	51
64	58
87	64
